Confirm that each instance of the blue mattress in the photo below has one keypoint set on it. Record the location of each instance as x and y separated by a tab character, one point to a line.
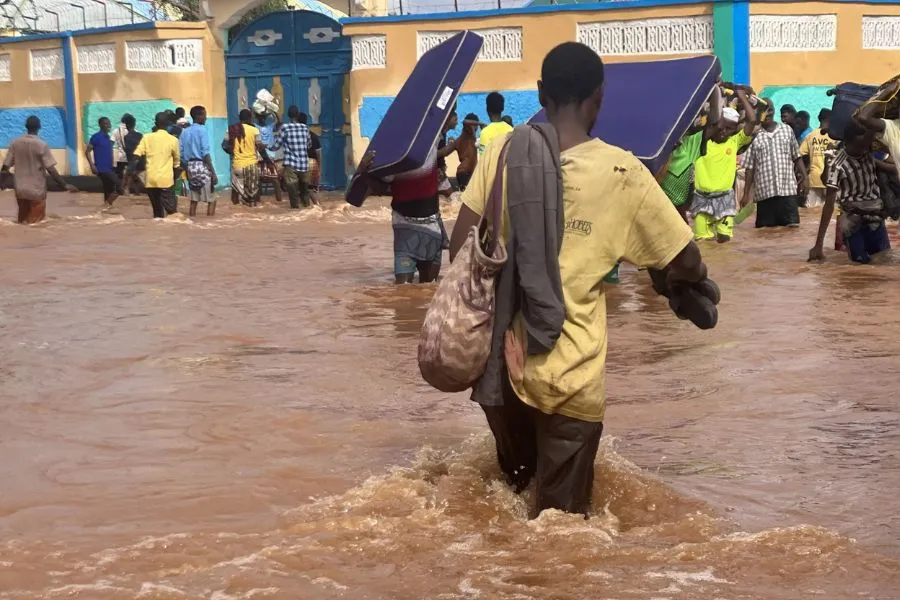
412	124
648	106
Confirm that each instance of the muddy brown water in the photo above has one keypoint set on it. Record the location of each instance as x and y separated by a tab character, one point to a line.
230	408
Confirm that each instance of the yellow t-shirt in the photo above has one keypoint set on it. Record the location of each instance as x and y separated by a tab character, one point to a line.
162	154
715	170
491	132
244	154
814	146
614	210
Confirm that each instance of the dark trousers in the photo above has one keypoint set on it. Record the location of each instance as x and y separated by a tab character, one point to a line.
865	242
163	201
778	211
297	184
556	450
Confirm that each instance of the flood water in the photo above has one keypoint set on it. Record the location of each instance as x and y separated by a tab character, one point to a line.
230	408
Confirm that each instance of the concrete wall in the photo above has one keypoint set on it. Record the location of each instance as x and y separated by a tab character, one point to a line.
774	46
97	80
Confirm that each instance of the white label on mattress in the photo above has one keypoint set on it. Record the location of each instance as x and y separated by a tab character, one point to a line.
445	98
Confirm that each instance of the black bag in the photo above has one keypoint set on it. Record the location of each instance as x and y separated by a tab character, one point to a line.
889	186
847	98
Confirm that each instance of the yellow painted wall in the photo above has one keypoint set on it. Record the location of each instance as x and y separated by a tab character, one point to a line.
185	89
848	62
21	92
540	34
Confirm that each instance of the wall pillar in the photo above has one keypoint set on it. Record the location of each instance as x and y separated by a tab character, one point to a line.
71	104
731	39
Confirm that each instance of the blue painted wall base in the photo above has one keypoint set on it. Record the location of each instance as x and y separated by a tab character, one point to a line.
520	105
53	128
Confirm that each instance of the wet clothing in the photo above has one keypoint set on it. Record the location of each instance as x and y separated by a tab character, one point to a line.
315	174
863	242
199	179
713	213
297	185
31	211
707	227
418	242
245	181
778	211
30	157
419	236
112	185
103	152
854	180
558	451
163	201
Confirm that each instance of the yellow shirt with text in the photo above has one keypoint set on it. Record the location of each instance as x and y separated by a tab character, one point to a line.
814	146
161	151
614	210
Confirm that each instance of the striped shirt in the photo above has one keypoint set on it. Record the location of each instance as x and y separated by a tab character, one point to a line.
771	157
854	179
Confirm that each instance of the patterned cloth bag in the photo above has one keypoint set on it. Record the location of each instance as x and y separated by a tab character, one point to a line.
456	336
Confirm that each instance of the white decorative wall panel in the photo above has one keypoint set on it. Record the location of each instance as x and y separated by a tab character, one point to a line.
501	44
426	40
881	33
165	55
5	68
369	52
676	35
46	64
98	58
787	33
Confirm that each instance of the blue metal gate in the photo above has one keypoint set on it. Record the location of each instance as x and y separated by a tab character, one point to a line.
302	58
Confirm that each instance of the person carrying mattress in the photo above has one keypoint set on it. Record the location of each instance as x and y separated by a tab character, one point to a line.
713	206
419	234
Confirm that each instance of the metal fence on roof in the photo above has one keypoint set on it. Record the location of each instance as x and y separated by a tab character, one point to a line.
45	16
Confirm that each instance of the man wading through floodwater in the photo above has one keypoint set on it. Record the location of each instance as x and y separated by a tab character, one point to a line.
545	406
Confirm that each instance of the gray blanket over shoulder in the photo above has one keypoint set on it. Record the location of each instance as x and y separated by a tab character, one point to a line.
529	282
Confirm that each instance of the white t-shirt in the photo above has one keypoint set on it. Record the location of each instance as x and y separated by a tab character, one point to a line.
891	139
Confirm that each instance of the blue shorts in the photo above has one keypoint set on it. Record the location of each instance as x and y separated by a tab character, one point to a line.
865	242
